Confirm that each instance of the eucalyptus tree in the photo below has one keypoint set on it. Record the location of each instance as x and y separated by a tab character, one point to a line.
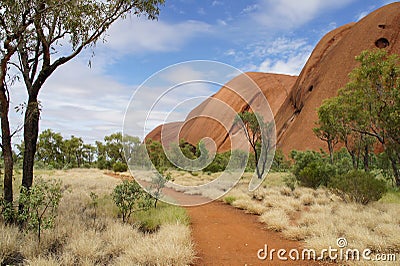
16	16
259	135
58	35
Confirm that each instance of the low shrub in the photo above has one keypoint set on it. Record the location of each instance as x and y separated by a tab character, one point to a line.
312	169
130	197
229	199
358	186
120	167
150	220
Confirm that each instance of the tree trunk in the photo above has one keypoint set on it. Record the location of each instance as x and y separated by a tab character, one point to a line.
259	175
6	147
31	131
330	149
366	158
396	170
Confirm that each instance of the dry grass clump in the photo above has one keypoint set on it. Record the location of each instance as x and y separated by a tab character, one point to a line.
275	219
249	206
81	238
319	217
170	246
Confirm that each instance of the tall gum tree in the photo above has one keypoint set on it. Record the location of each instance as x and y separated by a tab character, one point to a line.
78	24
16	16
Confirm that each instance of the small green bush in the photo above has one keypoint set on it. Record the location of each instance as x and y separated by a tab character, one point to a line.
130	197
311	169
280	163
150	220
120	167
39	205
102	163
229	199
316	174
358	186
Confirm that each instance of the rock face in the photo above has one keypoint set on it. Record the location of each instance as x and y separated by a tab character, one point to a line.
197	125
294	100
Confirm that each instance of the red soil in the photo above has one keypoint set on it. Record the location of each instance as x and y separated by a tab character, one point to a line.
224	235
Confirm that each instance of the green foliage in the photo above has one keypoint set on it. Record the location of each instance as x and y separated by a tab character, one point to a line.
49	148
290	181
157	154
229	199
280	163
316	174
102	163
311	169
120	167
342	161
151	219
358	186
366	111
328	127
158	183
54	152
94	203
392	196
39	205
219	163
7	210
129	197
259	134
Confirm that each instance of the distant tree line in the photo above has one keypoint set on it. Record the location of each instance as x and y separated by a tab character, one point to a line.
56	152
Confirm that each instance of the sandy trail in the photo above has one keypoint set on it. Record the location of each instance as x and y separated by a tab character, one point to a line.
224	235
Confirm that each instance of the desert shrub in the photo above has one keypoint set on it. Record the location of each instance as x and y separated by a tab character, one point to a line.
158	183
130	197
312	169
358	186
280	163
229	199
102	163
152	219
219	163
39	205
120	167
7	210
316	174
290	181
343	161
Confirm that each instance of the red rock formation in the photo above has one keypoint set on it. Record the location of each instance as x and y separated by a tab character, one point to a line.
275	87
293	100
327	71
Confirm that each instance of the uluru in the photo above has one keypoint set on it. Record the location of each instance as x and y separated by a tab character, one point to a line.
294	99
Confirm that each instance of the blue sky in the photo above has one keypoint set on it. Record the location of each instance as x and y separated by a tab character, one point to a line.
258	35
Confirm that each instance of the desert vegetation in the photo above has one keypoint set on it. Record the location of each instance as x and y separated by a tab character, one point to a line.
88	228
59	204
319	216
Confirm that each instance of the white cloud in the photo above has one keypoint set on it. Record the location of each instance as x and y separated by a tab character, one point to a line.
250	8
286	14
290	66
77	100
216	3
362	15
182	73
139	35
201	11
221	22
284	56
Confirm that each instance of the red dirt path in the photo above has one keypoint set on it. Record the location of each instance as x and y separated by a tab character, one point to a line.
224	235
